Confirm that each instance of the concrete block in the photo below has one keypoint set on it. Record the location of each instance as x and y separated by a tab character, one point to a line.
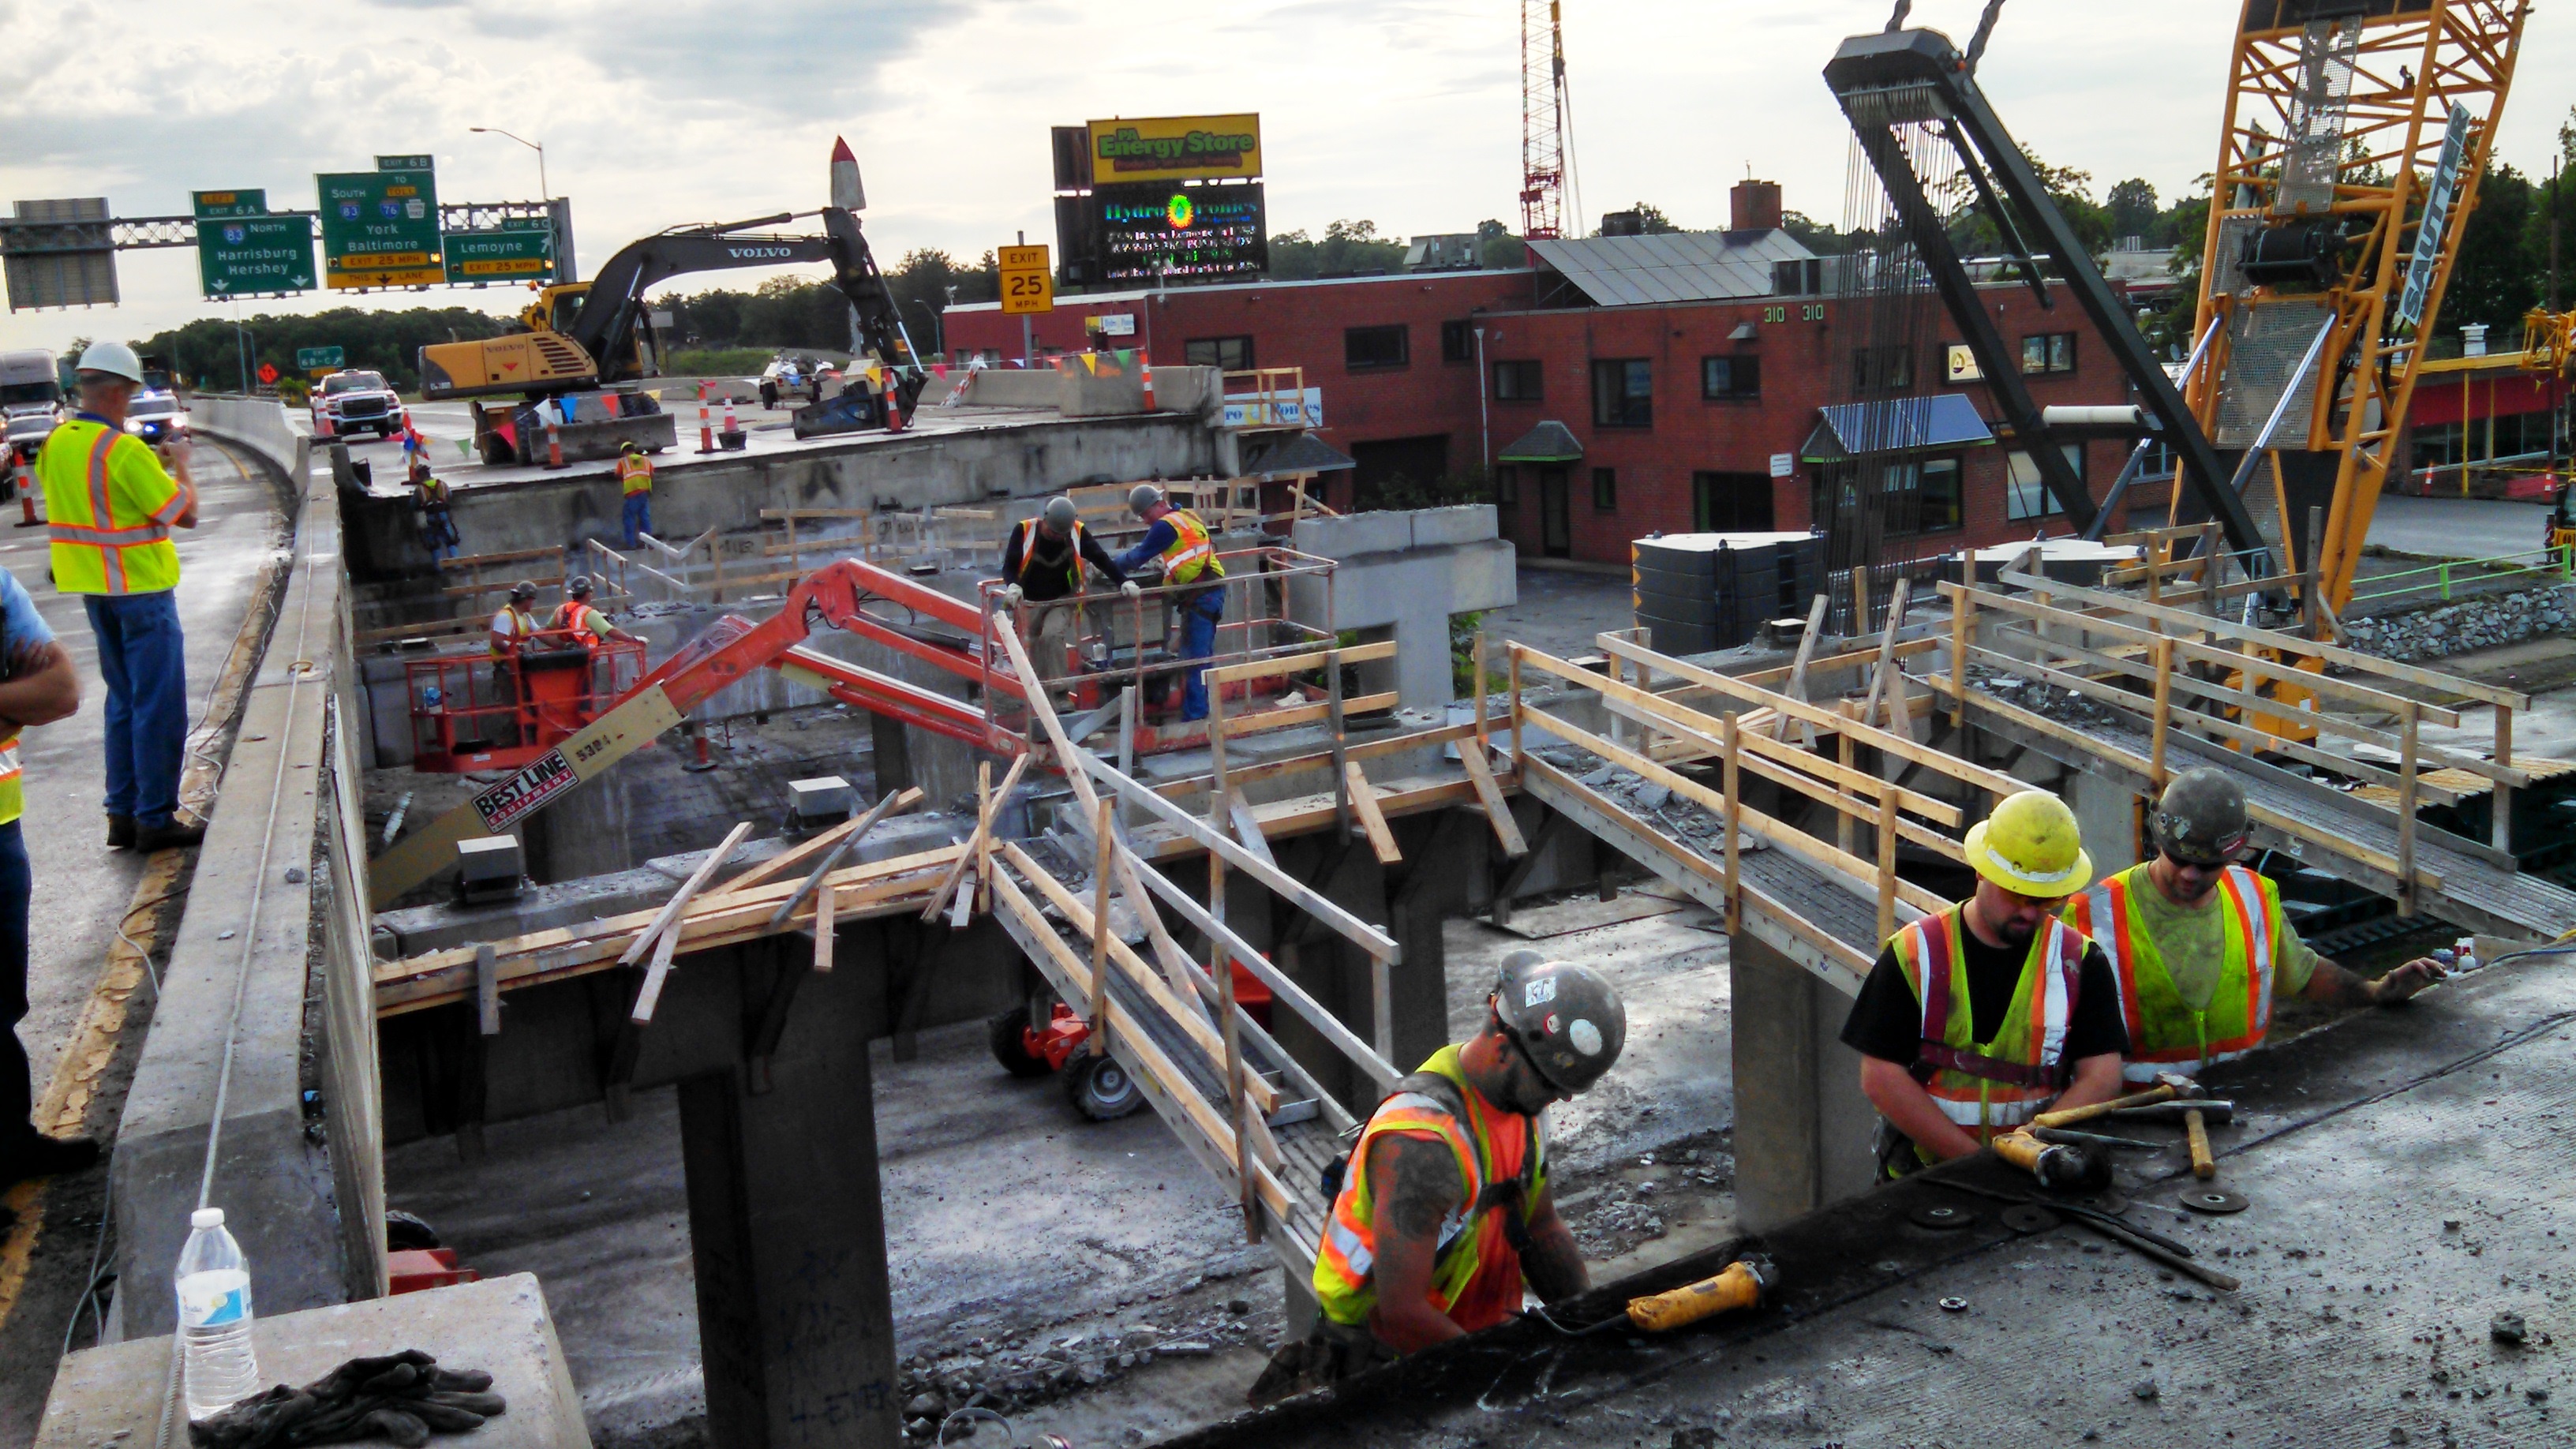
825	798
114	1394
1082	392
1467	523
1354	534
492	861
1802	1127
1484	576
1004	387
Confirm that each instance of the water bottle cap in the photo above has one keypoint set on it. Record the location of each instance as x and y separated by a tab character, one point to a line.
206	1218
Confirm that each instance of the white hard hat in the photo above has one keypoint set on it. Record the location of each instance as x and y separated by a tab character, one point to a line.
113	358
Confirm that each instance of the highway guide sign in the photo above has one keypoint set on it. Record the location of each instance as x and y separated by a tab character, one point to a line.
315	359
248	256
521	251
380	228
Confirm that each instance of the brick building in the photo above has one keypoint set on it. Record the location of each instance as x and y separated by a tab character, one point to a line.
1693	371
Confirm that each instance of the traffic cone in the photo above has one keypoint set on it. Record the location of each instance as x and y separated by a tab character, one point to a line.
706	430
1149	386
27	498
554	442
322	424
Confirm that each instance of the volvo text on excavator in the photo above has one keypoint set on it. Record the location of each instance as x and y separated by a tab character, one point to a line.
586	343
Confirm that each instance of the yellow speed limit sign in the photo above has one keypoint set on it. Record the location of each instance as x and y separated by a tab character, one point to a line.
1028	281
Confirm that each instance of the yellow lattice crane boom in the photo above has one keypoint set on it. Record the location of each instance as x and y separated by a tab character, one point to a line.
2356	134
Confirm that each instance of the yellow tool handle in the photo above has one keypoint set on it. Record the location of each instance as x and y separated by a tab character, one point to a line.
2020	1149
2203	1165
2069	1116
1734	1288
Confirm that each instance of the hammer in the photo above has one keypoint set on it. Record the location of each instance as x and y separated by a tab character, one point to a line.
2168	1087
2196	1116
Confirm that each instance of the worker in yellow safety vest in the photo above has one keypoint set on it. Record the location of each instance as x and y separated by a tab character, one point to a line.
1180	542
1444	1205
635	481
38	685
1975	1019
110	505
2198	945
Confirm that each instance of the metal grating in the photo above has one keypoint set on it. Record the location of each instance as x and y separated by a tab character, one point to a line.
2313	153
2265	341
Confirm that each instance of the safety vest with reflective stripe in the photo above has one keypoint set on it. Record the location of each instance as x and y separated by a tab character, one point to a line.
2165	1034
1029	554
583	621
1993	1086
523	625
1191	552
13	799
634	473
1490	1151
100	547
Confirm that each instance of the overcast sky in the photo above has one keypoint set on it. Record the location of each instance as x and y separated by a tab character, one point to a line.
1406	112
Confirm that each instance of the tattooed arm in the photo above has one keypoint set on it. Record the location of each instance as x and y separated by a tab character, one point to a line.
1553	1265
1417	1188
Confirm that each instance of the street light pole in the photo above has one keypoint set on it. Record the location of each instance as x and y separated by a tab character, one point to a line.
545	192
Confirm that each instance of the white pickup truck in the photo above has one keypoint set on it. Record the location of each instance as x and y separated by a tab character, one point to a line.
358	402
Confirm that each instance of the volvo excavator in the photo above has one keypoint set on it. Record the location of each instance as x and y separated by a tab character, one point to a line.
587	342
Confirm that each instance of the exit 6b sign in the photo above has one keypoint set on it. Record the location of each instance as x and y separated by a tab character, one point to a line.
1028	281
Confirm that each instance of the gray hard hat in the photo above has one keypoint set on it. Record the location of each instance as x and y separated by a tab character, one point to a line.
1060	514
523	589
578	586
1142	497
1568	1018
2201	818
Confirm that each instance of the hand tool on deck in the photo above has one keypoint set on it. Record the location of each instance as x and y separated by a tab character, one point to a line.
2197	1116
1746	1283
2164	1091
2152	1245
2071	1138
2054	1164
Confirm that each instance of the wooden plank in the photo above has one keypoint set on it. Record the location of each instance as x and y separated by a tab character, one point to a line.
1247	825
1317	760
787	860
823	927
983	826
1305	714
1796	687
832	858
1302	814
1295	663
679	900
487	989
664	950
1489	793
1886	663
1364	805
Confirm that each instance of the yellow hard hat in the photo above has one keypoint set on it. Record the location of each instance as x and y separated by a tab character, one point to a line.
2031	846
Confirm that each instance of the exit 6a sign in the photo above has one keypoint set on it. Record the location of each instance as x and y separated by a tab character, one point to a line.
1028	281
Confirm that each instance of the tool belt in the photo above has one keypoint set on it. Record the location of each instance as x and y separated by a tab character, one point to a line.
1933	1056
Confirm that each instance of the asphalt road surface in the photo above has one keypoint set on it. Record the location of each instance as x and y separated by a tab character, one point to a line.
2458	527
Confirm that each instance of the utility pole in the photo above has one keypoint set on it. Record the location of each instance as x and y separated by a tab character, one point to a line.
1028	329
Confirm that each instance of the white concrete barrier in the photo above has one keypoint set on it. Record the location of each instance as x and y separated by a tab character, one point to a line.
256	423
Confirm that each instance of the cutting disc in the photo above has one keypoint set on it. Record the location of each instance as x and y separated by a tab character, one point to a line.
2211	1200
1940	1216
2029	1218
2102	1201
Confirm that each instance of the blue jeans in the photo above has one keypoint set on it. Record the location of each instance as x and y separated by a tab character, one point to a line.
145	659
639	518
17	1092
1198	641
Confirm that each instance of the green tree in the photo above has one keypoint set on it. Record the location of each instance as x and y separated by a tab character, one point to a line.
2133	210
1348	249
1816	236
1651	219
1497	249
2492	278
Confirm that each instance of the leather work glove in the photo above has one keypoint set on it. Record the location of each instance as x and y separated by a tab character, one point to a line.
1011	597
404	1397
1130	590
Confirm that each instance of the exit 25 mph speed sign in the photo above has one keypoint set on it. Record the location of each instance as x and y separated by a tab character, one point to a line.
1028	281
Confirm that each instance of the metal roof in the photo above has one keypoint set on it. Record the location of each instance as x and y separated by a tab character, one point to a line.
1304	453
1549	442
1895	425
1682	266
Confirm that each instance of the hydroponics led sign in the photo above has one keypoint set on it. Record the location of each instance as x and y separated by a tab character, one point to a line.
1176	148
1172	234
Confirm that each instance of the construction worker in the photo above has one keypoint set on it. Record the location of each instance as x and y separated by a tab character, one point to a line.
2199	948
576	617
1445	1205
1177	538
38	685
1042	564
437	523
512	630
635	480
127	572
1973	1020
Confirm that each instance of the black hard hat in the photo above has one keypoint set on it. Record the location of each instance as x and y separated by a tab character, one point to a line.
523	589
1567	1017
2201	818
578	586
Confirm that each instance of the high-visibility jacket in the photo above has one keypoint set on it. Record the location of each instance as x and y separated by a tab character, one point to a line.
1501	1159
1990	1087
109	507
583	621
1029	555
634	473
523	625
2165	1034
1191	552
13	797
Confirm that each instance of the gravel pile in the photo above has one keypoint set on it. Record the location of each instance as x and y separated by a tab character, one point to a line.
1006	1372
2471	624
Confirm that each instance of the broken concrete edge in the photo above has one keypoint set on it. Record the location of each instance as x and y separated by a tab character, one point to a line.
277	898
114	1393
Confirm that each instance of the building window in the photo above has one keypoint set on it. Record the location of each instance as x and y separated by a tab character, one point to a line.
1519	381
1731	502
1736	379
1507	486
2048	352
1920	496
1623	393
1234	354
1371	347
2026	496
1458	341
1882	369
1605	490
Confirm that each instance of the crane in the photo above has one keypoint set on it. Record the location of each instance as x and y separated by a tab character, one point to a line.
1547	158
2356	134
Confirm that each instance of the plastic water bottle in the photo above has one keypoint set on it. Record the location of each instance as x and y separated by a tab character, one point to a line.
215	1317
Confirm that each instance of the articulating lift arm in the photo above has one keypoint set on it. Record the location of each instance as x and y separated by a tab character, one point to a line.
725	654
1903	76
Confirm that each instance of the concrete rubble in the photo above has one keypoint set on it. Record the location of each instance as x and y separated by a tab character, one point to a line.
2458	628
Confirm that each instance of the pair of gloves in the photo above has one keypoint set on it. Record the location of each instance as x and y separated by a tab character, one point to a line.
1011	596
404	1397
